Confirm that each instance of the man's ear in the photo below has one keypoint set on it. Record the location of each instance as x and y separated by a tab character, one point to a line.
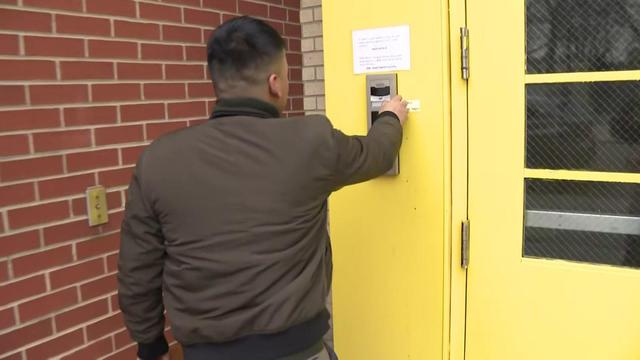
275	86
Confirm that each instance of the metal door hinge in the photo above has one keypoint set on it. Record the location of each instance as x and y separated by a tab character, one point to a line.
464	52
465	243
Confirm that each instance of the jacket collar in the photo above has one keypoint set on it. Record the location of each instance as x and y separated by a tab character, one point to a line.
244	107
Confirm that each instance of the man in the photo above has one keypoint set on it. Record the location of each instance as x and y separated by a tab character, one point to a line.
226	221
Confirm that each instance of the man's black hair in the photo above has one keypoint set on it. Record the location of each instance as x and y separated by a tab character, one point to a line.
240	50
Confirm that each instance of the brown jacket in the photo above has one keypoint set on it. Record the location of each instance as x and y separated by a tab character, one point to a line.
227	222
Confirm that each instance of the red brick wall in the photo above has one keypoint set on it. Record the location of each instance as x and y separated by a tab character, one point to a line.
84	86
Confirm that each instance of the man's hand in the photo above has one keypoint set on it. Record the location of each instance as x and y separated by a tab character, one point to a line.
397	106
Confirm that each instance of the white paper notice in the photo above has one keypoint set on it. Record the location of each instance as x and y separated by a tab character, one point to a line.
383	49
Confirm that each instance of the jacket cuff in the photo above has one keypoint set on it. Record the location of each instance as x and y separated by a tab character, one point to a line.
389	113
153	350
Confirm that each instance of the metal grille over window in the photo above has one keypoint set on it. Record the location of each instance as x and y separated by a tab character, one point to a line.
584	126
582	35
591	222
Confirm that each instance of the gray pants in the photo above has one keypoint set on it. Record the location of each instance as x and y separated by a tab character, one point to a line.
322	355
319	351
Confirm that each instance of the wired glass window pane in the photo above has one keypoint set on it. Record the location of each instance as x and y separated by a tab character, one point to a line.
582	35
584	126
593	222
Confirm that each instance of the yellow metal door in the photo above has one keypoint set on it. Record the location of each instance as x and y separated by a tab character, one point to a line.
389	235
554	189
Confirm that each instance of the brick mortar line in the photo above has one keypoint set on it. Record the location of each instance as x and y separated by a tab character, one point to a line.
15	304
62	222
113	81
182	12
115	38
54	12
55	246
110	304
67	152
53	336
58	71
5	219
184	52
91	82
123	60
30	140
21	47
89	343
138	2
99	126
105	104
164	73
44	247
187	6
90	88
68	128
41	236
117	350
36	192
67	287
101	104
80	303
166	109
16	314
13	352
55	200
121	164
145	134
268	3
139	51
59	244
123	198
310	6
55	177
25	300
86	13
85	340
65	170
85	335
47	281
54	22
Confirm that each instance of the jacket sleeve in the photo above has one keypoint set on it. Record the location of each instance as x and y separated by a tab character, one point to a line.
361	158
140	265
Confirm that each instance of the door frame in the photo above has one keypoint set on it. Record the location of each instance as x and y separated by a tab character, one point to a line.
457	180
